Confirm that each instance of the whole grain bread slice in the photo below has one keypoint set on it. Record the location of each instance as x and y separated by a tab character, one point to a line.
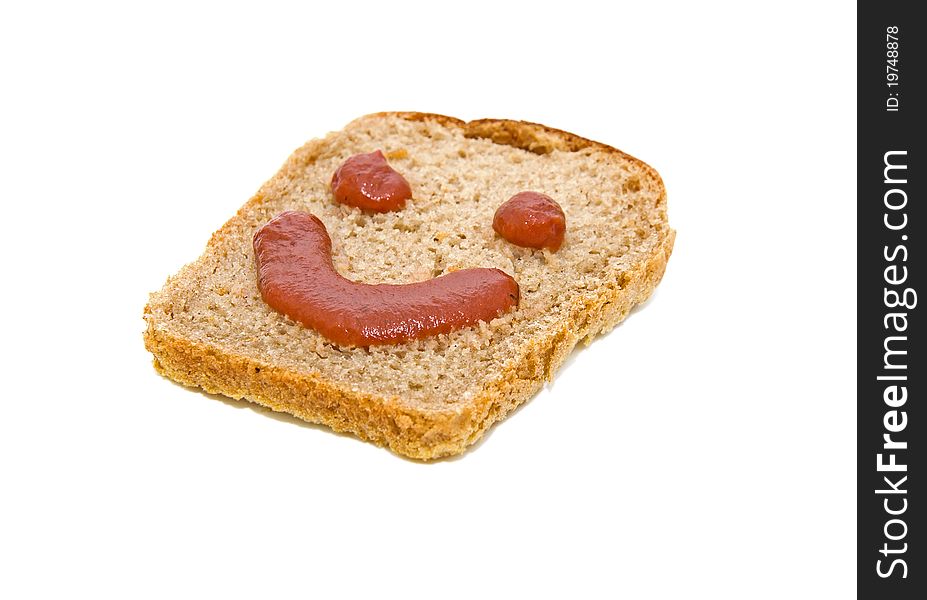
208	326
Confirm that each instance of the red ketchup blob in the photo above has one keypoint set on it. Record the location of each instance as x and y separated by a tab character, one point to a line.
532	220
297	278
367	181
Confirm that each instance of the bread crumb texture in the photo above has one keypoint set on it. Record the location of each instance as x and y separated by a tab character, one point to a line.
208	326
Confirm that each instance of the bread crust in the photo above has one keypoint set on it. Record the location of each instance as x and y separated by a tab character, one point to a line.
386	421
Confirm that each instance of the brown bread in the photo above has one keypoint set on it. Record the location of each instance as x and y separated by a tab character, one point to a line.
208	326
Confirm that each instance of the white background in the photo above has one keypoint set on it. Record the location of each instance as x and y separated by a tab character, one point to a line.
706	448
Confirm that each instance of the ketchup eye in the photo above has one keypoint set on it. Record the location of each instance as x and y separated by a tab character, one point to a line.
368	182
532	220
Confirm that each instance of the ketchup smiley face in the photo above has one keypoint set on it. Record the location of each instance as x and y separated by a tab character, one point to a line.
368	182
296	277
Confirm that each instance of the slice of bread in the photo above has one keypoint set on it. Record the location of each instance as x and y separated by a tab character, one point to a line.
208	326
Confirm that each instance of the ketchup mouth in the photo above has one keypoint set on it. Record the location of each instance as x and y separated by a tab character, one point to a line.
296	277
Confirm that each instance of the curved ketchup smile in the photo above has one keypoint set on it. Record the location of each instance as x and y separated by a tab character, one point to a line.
296	277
